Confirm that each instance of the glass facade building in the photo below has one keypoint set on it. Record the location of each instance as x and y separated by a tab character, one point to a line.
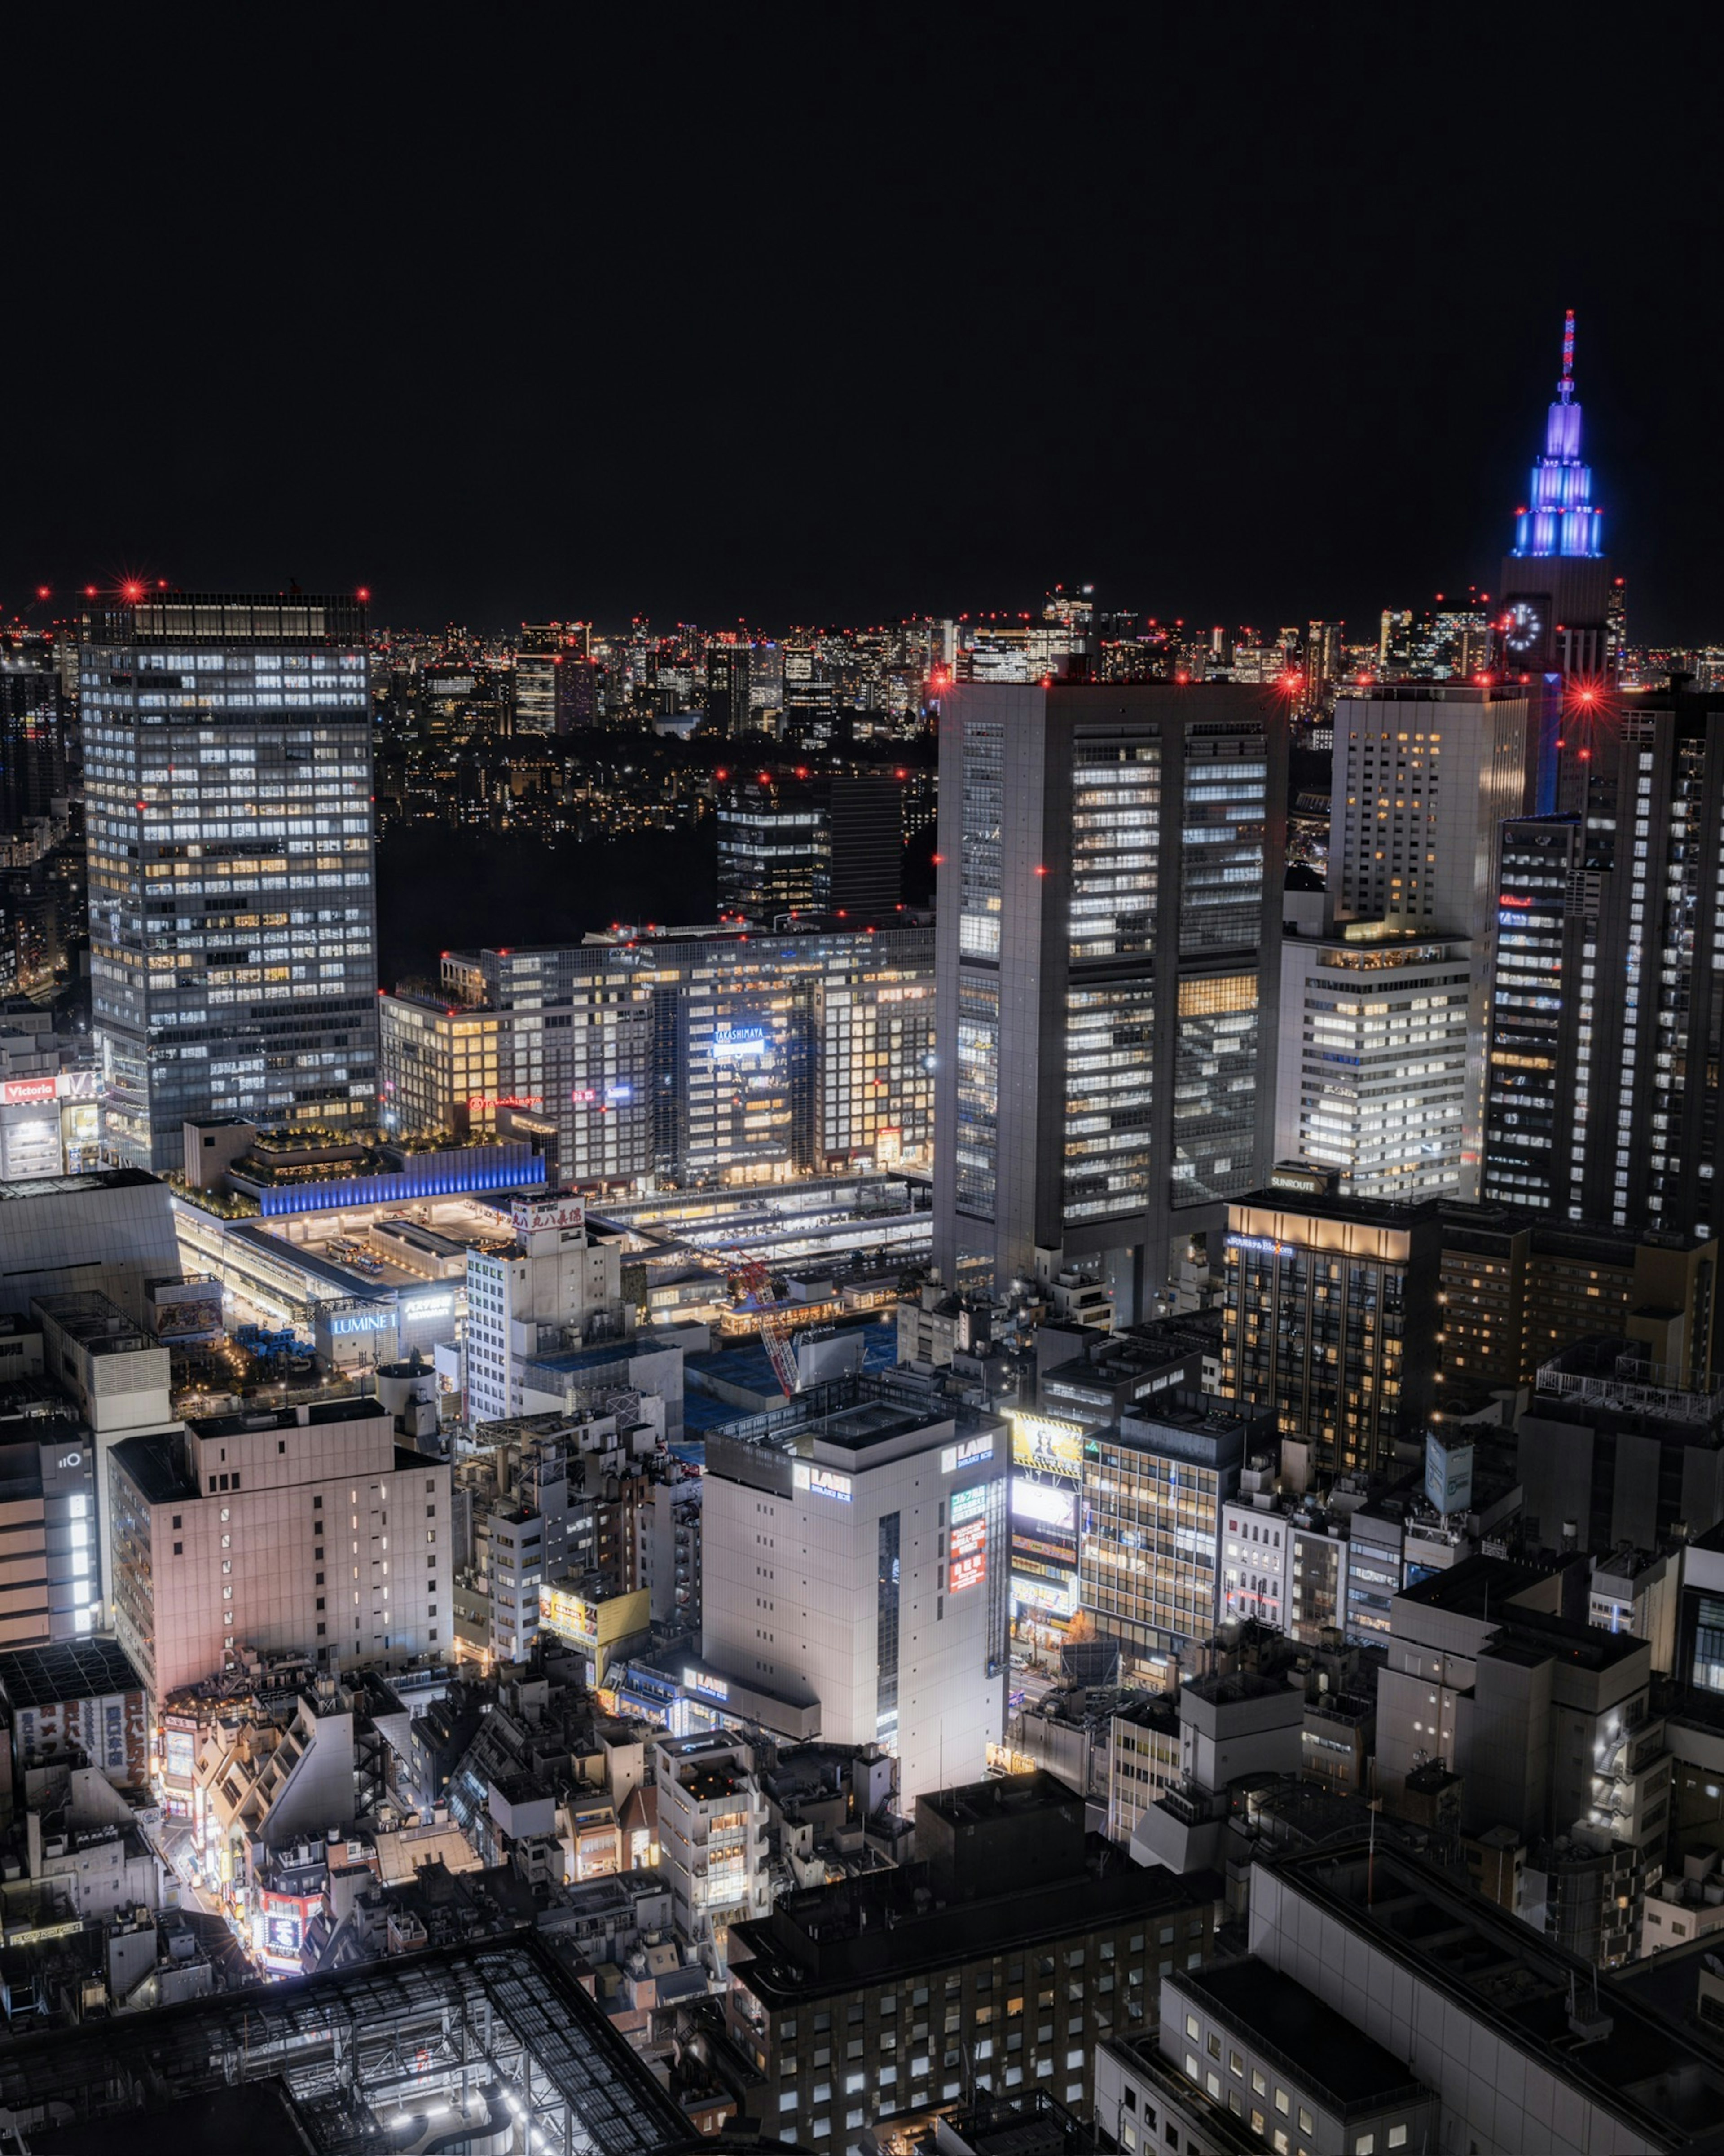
1108	972
1330	1321
708	1058
1607	1038
1372	1076
228	760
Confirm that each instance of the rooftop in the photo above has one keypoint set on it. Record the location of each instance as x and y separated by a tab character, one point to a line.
80	1186
360	1408
74	1669
888	1925
1310	2040
1637	2064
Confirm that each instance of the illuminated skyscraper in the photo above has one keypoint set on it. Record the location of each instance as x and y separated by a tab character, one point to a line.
1107	972
33	736
1607	1037
1424	775
727	687
227	761
1553	620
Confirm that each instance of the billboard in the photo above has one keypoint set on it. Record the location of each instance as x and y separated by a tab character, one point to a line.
571	1617
1448	1471
15	1092
179	1753
198	1317
283	1932
1048	1596
1046	1503
1049	1443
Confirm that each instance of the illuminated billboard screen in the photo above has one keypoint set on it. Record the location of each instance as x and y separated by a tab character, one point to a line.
1044	1502
969	1555
1049	1444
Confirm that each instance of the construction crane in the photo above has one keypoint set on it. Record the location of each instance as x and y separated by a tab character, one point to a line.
775	1331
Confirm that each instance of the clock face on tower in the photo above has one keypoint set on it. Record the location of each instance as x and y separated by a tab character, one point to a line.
1523	627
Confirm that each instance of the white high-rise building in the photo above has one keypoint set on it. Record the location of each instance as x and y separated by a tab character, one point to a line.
1372	1080
855	1574
528	1297
1425	775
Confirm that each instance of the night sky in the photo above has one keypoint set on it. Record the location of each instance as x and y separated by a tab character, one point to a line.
835	315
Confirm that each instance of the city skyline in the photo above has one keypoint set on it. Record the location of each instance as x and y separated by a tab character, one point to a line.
1195	319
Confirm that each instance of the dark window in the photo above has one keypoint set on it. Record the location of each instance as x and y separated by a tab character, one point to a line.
179	1549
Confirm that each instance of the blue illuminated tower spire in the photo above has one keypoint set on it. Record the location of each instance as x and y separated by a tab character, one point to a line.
1560	518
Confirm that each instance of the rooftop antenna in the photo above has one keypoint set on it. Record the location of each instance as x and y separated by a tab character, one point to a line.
1565	387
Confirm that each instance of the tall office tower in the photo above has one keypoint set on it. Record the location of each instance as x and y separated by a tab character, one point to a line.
1372	1075
228	760
33	736
809	693
1424	775
1394	638
774	851
1330	1321
1323	660
1107	971
1608	1030
865	820
548	659
728	687
1554	596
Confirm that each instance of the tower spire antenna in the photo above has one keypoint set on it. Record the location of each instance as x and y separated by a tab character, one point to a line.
1566	386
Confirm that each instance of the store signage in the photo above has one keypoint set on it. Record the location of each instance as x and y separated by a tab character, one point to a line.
1044	1595
966	1454
733	1043
968	1556
969	1504
530	1214
376	1317
823	1481
427	1305
694	1680
17	1089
